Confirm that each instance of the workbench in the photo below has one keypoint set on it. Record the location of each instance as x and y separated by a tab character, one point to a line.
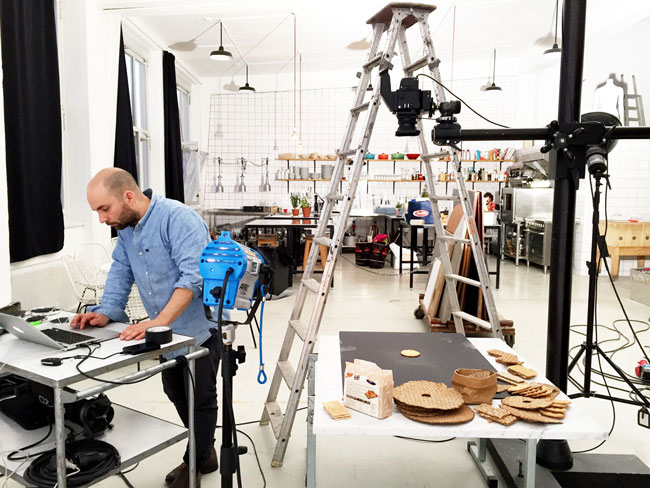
626	239
135	435
326	384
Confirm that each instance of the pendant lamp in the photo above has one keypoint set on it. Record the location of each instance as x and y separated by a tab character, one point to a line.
493	86
555	48
221	54
246	87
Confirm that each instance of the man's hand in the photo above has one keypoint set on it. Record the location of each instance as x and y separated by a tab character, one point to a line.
84	320
136	331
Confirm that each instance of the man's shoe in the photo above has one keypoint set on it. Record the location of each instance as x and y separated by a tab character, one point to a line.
211	463
183	478
173	474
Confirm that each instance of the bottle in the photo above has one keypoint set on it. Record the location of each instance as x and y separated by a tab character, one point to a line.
425	193
374	231
353	231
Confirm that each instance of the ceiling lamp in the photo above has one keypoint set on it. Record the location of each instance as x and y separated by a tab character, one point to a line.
360	45
221	54
493	86
246	87
555	48
231	86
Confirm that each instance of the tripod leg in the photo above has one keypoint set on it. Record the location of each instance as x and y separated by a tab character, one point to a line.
621	374
583	348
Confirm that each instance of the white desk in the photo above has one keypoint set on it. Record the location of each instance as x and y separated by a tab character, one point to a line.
135	435
328	386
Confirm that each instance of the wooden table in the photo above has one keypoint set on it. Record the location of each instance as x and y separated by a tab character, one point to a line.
626	239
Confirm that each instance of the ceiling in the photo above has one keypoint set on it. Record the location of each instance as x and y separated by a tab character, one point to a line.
262	31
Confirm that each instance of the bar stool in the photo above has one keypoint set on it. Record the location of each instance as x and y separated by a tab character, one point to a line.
309	239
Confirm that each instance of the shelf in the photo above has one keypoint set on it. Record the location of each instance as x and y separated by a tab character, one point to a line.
478	161
395	181
310	160
470	181
398	160
301	179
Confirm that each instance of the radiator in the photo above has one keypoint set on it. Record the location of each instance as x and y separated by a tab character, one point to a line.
42	284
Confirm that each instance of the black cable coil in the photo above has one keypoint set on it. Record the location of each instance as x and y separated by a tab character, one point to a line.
93	459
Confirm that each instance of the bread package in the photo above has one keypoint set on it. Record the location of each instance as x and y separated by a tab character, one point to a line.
368	388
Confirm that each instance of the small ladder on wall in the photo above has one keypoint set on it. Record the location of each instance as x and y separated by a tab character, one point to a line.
393	20
633	107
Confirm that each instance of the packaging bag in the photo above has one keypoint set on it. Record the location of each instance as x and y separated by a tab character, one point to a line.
362	253
368	389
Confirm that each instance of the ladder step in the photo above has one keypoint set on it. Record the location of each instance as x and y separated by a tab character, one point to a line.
475	320
275	416
345	154
464	279
427	156
300	327
444	198
311	284
360	108
324	241
335	197
454	239
420	63
373	61
288	372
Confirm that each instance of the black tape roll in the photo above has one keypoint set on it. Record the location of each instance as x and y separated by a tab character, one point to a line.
159	334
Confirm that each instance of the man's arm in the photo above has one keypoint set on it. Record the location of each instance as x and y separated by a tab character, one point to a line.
177	303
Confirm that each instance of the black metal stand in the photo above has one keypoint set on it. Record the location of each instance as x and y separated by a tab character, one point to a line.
589	347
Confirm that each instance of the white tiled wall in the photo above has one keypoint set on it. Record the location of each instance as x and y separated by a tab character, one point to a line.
251	125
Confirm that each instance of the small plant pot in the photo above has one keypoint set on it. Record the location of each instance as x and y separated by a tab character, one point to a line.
295	211
475	385
306	211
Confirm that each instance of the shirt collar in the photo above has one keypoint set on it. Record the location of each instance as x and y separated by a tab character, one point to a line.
145	217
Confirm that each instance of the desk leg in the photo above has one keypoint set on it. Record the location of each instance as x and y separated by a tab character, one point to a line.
531	463
414	242
479	455
311	438
190	419
59	434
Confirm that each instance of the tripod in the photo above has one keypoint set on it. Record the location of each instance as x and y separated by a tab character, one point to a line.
589	347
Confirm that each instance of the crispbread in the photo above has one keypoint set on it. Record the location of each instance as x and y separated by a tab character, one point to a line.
410	353
554	415
454	416
509	378
526	402
496	353
499	415
530	415
427	394
519	370
502	388
508	359
336	410
561	402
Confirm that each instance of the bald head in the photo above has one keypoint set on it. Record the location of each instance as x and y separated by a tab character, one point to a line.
116	197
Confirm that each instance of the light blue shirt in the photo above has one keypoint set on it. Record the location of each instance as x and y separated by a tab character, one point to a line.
161	253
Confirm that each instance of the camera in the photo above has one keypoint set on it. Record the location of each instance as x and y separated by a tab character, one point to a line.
408	102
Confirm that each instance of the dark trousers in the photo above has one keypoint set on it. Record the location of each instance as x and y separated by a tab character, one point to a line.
205	398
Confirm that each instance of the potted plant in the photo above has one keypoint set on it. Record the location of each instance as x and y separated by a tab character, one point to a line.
306	208
295	203
398	208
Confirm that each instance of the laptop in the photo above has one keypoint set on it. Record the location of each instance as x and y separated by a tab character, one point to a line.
54	337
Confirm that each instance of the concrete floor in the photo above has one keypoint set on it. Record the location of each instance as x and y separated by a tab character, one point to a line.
365	301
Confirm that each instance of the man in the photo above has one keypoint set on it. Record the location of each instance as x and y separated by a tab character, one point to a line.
490	206
159	246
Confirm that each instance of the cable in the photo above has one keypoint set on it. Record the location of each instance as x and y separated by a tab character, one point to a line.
261	376
83	373
424	440
11	456
257	458
466	104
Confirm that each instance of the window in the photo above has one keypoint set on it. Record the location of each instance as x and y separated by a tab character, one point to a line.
184	112
136	71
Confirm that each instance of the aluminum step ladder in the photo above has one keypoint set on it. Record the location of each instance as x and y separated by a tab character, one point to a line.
633	107
393	20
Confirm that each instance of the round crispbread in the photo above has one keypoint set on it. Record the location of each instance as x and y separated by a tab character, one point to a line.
455	416
427	394
526	403
410	353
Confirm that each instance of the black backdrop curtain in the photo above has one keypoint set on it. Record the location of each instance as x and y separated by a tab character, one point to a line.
124	155
32	115
173	150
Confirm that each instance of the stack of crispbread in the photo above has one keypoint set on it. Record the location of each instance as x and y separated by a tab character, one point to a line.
431	403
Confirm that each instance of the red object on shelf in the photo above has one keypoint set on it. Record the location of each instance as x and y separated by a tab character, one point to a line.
412	156
382	156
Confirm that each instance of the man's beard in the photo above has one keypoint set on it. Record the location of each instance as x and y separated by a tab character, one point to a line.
127	218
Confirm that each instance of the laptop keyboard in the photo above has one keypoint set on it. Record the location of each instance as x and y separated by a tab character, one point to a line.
66	336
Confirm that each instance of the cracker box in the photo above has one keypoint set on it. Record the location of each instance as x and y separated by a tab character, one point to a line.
368	388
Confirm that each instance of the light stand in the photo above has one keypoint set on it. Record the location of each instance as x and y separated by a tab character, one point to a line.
597	166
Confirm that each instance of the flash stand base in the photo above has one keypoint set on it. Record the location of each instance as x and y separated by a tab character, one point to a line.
589	470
